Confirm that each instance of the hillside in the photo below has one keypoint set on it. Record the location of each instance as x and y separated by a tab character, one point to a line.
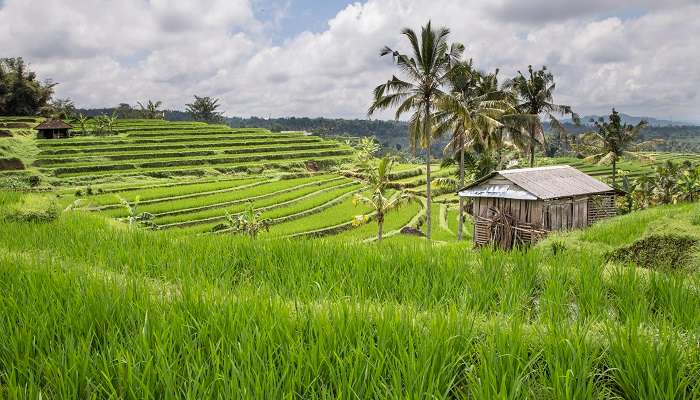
145	314
189	176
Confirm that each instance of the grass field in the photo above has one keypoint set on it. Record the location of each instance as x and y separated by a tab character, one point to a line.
91	309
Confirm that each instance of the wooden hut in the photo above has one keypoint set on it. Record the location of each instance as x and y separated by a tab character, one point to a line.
53	129
519	206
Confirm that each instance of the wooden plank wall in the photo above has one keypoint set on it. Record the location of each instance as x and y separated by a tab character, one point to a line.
601	207
523	211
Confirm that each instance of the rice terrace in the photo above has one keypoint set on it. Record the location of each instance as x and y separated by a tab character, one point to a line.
448	229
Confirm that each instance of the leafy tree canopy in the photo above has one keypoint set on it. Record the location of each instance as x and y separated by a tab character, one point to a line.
21	93
204	109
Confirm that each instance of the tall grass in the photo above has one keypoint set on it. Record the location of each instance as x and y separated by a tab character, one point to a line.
90	309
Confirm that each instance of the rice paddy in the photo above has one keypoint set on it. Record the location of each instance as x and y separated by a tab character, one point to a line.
91	309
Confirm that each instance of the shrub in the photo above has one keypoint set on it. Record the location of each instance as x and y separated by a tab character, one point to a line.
34	180
657	252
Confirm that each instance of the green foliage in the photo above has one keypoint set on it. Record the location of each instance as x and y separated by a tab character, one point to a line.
59	109
151	109
247	223
133	217
21	93
534	95
657	252
204	109
614	140
377	180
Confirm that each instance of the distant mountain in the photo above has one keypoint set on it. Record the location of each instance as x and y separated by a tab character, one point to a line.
630	119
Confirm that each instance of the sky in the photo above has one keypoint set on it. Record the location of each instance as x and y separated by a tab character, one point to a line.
275	58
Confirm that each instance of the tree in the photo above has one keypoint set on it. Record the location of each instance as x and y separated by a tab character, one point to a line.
82	121
471	111
124	111
534	98
689	185
59	109
248	223
666	181
377	181
20	91
204	109
151	109
110	122
426	71
365	149
613	140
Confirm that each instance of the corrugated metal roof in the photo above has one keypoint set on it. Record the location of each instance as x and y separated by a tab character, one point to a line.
547	182
504	191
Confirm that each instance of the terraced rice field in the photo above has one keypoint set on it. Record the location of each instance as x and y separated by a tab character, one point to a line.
631	168
297	204
142	147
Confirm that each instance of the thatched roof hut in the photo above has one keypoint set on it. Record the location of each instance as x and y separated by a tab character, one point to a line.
521	205
53	129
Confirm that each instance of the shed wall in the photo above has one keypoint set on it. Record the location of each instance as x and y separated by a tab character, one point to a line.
522	211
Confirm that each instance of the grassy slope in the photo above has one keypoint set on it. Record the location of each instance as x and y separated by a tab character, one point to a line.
90	308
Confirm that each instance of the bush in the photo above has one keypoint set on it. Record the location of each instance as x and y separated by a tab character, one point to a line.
34	180
657	252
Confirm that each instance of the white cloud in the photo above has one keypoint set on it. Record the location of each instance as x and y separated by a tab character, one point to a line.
638	56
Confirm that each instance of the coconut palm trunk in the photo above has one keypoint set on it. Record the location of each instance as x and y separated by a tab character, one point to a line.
614	171
380	226
532	146
460	223
428	197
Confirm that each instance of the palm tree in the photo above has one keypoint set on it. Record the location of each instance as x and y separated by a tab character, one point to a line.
377	180
613	140
150	109
426	72
534	96
471	111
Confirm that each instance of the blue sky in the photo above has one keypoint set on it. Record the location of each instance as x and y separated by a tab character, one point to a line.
298	15
284	58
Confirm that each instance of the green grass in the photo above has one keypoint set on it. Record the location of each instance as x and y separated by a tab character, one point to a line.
94	310
395	220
